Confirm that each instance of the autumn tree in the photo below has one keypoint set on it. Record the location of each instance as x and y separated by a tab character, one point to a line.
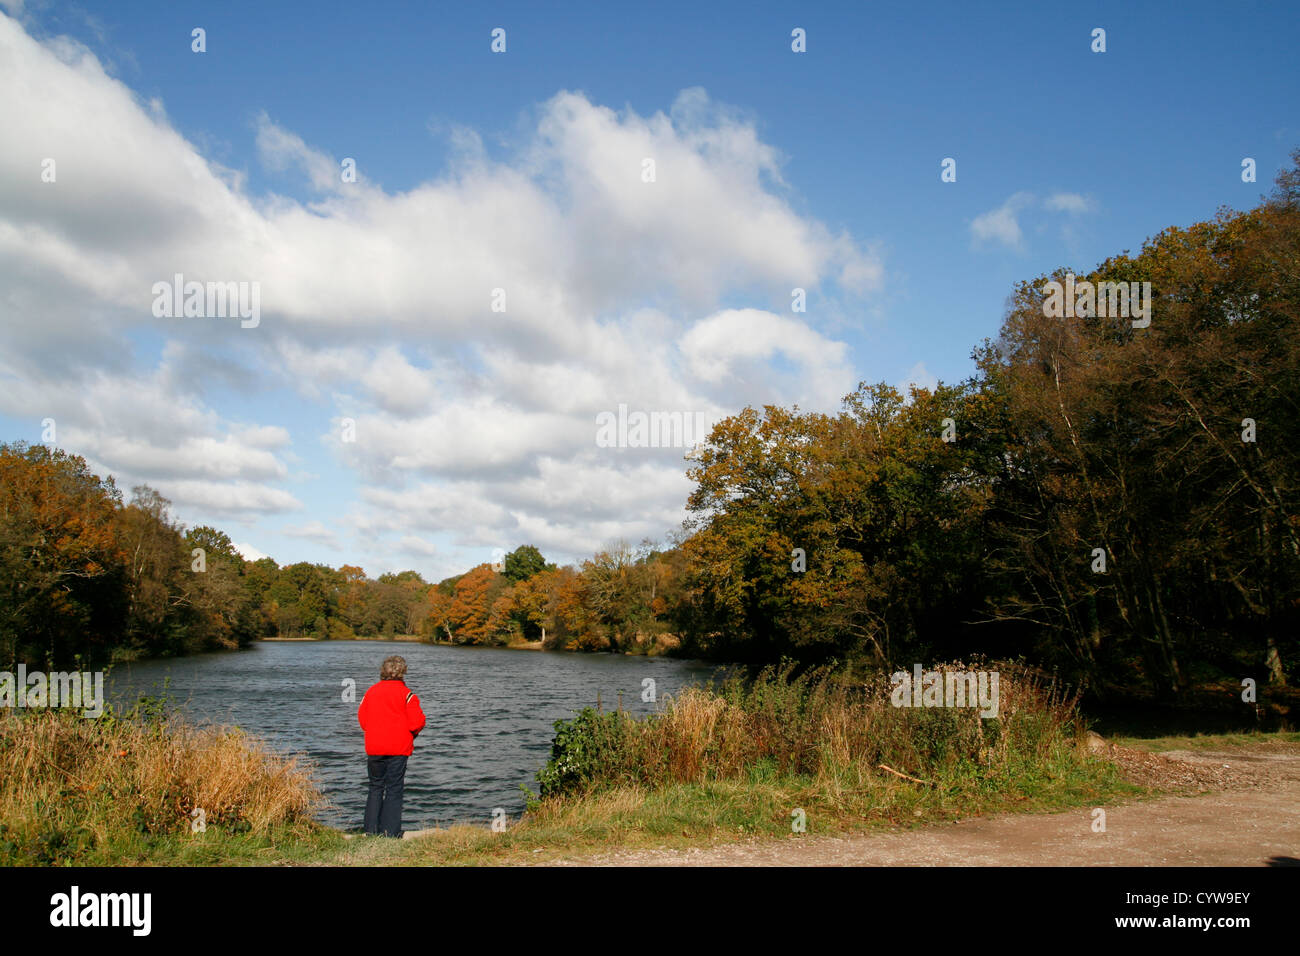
61	560
159	618
225	612
435	621
472	604
1146	517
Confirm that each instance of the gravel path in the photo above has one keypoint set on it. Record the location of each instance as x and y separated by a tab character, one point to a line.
1250	816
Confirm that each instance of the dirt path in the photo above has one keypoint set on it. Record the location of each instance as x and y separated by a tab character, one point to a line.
1255	822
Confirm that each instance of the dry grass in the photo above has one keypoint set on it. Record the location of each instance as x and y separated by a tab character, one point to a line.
825	726
72	787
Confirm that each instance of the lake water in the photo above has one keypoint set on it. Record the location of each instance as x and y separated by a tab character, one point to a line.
490	712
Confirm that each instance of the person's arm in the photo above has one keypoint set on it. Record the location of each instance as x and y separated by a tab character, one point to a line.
362	711
414	715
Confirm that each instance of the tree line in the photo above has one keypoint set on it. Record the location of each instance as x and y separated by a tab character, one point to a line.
87	578
1111	499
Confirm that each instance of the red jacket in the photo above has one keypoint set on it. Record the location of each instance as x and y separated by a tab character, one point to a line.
390	715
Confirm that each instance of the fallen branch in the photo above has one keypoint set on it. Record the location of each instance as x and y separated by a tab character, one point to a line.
905	776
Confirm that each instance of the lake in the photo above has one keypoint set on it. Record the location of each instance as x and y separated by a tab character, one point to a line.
490	712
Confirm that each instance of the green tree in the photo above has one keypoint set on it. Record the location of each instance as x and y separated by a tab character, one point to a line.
523	562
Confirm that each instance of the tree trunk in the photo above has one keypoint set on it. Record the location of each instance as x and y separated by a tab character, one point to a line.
1273	661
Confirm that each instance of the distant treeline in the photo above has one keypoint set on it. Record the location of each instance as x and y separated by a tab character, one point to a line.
85	576
1106	498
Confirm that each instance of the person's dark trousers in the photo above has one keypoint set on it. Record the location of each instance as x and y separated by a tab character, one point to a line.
384	804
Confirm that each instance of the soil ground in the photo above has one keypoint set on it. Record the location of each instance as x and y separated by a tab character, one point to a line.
1243	809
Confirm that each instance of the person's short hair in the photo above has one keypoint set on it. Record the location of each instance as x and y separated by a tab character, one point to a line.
393	668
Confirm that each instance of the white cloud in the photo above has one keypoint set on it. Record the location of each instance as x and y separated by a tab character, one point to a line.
1002	224
236	499
144	430
741	343
412	545
249	552
281	150
919	376
472	426
313	531
1067	202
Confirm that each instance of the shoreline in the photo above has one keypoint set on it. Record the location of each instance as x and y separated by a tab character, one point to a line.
717	819
402	639
1162	785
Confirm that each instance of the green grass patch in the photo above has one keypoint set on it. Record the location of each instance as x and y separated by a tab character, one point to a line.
1208	741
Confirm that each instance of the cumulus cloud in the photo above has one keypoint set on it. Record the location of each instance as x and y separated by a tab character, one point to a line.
740	344
144	430
237	499
471	326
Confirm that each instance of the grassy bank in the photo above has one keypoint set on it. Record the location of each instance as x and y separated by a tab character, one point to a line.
1194	742
781	758
142	787
823	751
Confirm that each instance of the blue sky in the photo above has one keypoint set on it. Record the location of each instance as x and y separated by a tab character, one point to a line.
522	170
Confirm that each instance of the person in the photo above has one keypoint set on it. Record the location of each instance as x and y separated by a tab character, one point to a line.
391	717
